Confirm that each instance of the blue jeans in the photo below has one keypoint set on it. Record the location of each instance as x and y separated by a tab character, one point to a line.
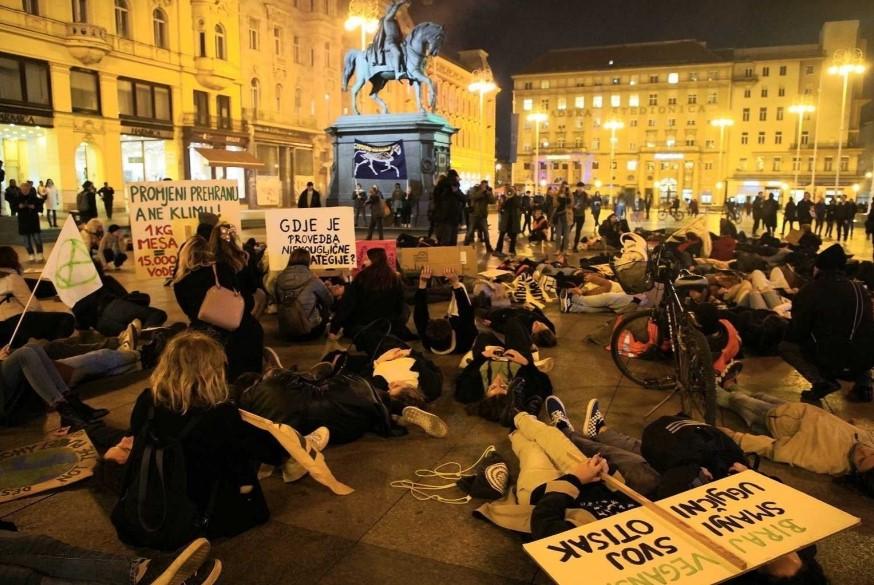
101	362
31	366
27	559
31	240
562	231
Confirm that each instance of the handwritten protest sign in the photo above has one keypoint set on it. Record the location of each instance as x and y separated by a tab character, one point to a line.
269	190
327	232
754	517
161	210
390	247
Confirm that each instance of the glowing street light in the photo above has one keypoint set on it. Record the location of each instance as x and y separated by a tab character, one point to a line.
613	126
538	118
364	15
722	124
483	83
801	110
845	62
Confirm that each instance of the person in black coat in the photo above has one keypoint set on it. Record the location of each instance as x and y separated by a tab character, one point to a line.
197	274
769	214
832	331
448	200
790	215
510	217
309	197
804	210
28	206
541	328
375	298
188	389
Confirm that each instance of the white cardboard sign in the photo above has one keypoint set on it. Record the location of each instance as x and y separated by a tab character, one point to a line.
327	232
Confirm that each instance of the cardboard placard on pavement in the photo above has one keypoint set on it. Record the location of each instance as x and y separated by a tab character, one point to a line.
751	515
390	247
462	259
327	232
162	212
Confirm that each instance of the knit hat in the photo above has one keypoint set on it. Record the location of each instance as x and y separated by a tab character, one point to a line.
491	479
832	258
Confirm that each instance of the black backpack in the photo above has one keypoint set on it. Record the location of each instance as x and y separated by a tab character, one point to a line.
293	320
154	510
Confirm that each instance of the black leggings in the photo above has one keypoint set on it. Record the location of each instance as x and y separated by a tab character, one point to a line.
579	221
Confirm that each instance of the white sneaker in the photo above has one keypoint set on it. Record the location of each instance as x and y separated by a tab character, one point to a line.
430	423
31	257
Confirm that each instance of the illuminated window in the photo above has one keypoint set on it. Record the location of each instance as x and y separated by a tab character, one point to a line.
615	100
544	84
527	104
673	78
634	100
580	102
597	101
562	103
631	165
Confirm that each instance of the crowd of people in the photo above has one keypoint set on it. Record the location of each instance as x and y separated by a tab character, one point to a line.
220	405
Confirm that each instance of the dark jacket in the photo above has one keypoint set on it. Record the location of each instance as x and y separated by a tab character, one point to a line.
510	218
362	306
315	199
580	203
28	207
803	211
479	201
191	290
824	315
219	451
500	317
769	211
789	211
12	195
463	325
447	201
298	282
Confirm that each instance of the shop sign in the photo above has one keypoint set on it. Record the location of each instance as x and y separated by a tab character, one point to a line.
147	132
24	119
214	138
629	111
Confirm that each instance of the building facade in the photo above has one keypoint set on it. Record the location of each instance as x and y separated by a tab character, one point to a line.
290	61
640	118
120	91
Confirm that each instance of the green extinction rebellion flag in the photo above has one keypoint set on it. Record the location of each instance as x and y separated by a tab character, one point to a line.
386	162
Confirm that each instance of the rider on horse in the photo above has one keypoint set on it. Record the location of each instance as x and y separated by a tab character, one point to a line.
386	47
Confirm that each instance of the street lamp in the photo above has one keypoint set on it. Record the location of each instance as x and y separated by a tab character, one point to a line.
483	83
613	126
538	118
801	110
364	15
845	62
722	124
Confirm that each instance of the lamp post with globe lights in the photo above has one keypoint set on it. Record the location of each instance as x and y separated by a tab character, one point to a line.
722	184
363	15
538	118
483	84
845	62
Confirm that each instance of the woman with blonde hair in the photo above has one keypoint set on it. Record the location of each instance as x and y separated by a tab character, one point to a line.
188	403
196	274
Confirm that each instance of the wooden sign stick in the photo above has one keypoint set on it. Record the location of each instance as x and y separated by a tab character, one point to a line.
678	523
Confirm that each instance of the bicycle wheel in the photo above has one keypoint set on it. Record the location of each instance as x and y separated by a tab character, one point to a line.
663	215
679	216
637	347
696	377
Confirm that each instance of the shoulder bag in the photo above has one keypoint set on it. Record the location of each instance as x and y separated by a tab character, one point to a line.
222	307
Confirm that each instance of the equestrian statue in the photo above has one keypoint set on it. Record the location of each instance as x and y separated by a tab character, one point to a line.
391	57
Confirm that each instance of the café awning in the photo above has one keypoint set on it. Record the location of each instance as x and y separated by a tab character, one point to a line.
229	158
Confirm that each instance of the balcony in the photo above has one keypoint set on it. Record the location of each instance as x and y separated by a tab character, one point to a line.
88	43
741	79
215	74
216	123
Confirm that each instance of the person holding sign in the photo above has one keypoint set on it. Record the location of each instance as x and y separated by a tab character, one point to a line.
453	333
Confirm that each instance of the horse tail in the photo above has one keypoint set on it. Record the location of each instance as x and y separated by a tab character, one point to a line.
349	67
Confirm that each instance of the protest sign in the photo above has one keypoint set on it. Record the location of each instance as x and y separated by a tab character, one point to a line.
754	517
159	210
269	190
327	232
390	247
462	259
53	463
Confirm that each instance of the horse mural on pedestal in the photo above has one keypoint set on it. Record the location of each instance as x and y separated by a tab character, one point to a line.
371	65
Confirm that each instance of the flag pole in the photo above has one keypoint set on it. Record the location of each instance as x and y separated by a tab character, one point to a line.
24	312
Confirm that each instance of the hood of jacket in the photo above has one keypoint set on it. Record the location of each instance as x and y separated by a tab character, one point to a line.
294	277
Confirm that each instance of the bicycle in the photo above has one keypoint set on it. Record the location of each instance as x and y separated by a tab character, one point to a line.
662	348
677	214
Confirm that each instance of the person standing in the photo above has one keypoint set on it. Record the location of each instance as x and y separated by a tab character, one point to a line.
647	202
447	200
407	207
107	193
359	199
831	212
769	214
757	211
580	203
804	211
560	217
52	203
11	195
790	215
2	179
509	218
480	197
28	208
397	198
526	206
309	197
841	218
377	211
91	198
819	216
596	208
82	202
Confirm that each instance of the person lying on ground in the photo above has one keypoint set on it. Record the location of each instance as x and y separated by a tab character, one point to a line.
542	329
37	323
30	368
38	559
497	369
597	295
802	435
453	333
831	332
303	299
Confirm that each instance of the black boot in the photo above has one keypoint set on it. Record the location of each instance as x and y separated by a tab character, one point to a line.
88	413
515	402
70	416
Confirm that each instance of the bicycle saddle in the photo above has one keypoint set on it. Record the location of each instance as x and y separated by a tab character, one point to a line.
687	279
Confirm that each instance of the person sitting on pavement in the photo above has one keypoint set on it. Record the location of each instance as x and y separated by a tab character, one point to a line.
802	435
498	370
304	300
454	333
539	226
597	295
831	332
542	329
113	247
611	230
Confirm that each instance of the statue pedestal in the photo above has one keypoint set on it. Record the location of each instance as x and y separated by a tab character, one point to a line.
427	140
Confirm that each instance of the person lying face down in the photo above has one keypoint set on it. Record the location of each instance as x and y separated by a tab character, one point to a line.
542	329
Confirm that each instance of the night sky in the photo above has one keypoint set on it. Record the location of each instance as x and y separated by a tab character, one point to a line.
514	32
